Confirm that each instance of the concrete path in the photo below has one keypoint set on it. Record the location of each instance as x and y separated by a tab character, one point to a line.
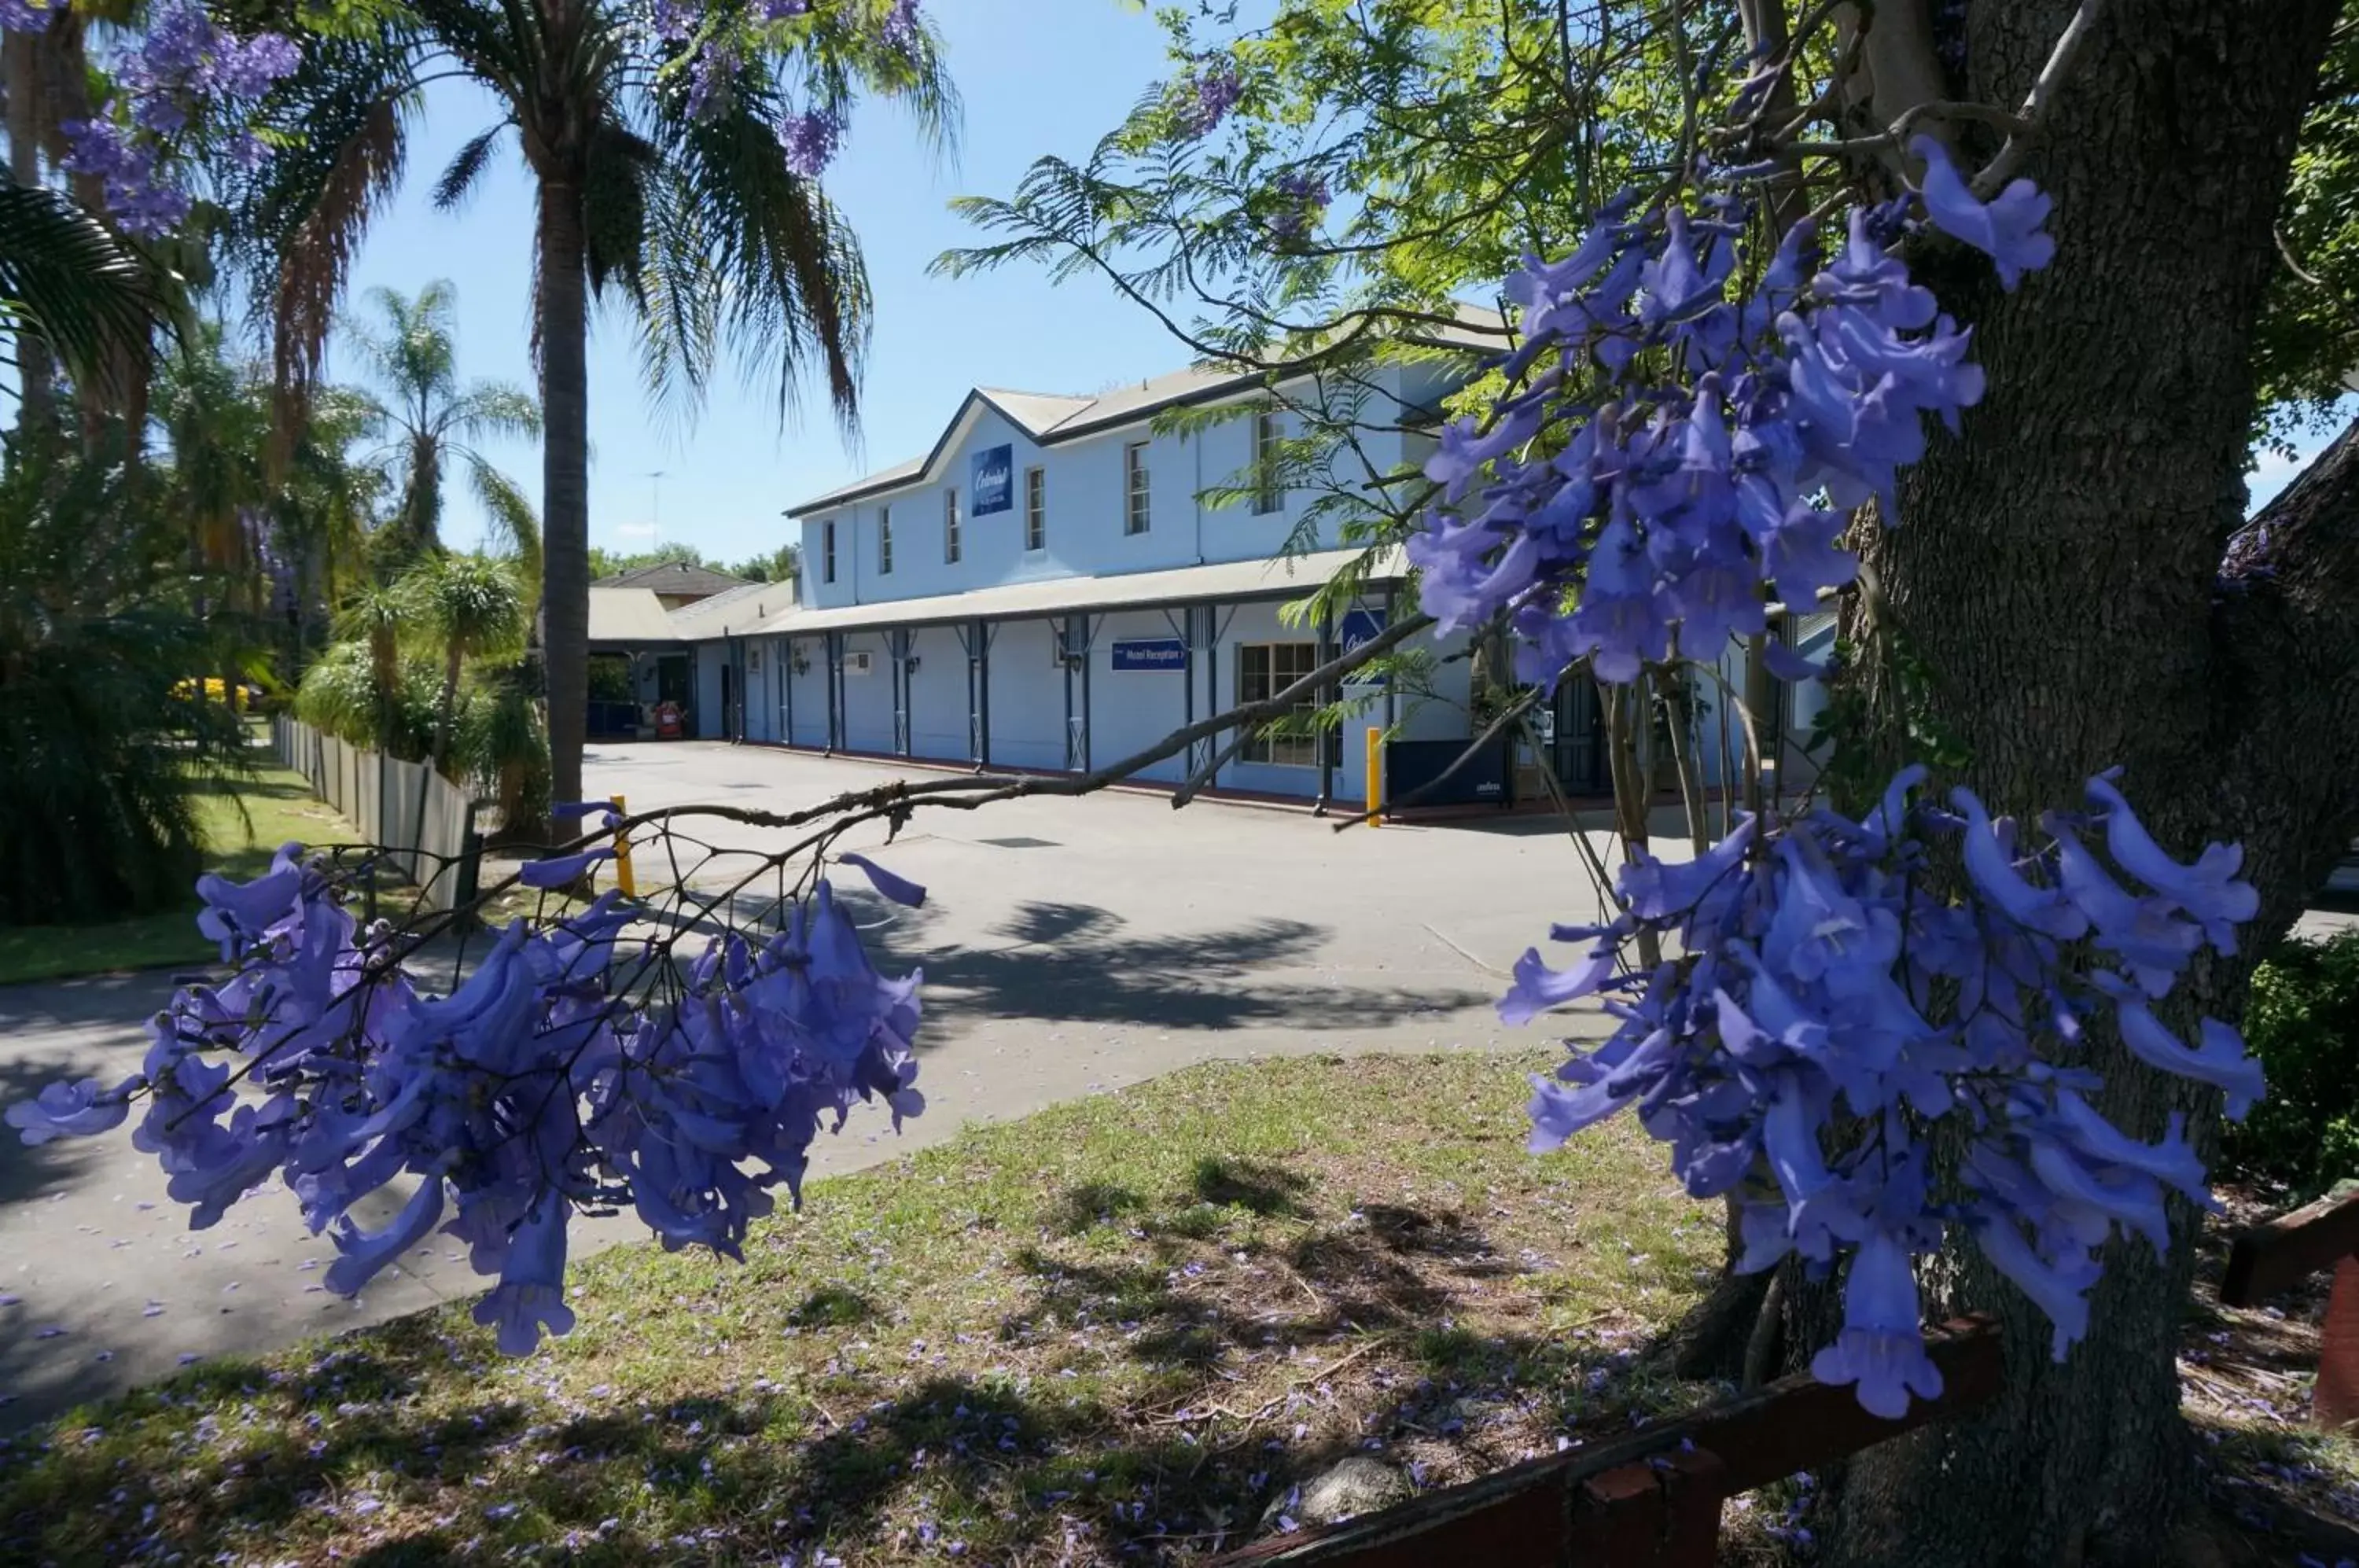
1069	947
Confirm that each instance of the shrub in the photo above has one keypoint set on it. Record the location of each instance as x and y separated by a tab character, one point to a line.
2303	1023
101	653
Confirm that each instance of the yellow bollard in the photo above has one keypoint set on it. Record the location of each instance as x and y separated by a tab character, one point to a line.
1375	773
622	877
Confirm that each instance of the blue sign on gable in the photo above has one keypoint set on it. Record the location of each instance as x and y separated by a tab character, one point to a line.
994	481
1150	653
1356	628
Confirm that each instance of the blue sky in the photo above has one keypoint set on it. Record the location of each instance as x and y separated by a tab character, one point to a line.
1038	76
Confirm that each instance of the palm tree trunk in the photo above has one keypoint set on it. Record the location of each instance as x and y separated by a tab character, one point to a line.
36	376
565	483
450	705
384	665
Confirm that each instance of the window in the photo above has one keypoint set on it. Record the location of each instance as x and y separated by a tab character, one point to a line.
950	528
883	542
1133	468
1268	497
1035	509
827	552
1264	669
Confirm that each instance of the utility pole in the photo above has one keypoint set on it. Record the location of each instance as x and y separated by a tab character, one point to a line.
655	478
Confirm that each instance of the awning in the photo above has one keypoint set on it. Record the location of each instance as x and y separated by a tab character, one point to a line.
1258	579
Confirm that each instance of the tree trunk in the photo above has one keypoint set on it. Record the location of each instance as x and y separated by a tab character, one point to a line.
565	483
36	376
450	702
2059	573
384	666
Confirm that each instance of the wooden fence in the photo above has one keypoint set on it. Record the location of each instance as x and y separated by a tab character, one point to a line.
1649	1499
423	822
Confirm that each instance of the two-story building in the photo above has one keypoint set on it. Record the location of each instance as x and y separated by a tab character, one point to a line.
1048	587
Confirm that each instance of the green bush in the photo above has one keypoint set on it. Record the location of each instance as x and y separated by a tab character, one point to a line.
2303	1023
100	656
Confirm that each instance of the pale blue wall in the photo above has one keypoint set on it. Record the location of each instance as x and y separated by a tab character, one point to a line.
938	720
1131	710
809	690
1027	697
867	699
1085	509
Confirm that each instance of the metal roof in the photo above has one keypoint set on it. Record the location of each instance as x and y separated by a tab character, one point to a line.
1258	578
1048	418
674	577
738	611
629	614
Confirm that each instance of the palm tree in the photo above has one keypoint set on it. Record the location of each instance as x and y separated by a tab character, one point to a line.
76	295
658	185
471	605
426	420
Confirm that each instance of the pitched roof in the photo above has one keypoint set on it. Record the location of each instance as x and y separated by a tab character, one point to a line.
1048	418
736	611
628	614
671	577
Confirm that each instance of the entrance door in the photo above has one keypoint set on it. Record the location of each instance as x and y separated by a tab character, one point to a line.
1579	761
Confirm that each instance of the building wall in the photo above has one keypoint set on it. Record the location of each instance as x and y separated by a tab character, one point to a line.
1027	696
938	717
1130	710
867	699
709	656
808	690
760	655
1085	510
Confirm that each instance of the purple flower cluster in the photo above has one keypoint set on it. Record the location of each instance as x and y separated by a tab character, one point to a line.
530	1090
1674	443
1209	94
183	68
1303	197
811	139
901	29
1827	1009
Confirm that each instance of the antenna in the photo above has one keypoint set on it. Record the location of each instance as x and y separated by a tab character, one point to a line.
655	477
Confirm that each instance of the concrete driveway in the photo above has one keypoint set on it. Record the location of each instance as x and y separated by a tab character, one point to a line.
1069	947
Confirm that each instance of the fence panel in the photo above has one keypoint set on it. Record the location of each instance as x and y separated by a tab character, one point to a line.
420	819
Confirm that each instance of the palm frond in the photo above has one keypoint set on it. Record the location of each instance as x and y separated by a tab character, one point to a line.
87	294
784	275
504	501
466	166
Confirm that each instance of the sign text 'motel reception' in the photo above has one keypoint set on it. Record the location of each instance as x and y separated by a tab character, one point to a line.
994	481
1150	653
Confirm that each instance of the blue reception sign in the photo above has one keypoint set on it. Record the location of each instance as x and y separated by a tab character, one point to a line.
1150	653
1356	628
994	481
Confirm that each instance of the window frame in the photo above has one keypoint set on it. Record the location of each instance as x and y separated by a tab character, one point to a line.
883	542
1268	497
1137	516
1262	749
954	547
1035	509
827	550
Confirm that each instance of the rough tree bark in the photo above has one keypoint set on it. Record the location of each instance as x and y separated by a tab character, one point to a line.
565	482
2059	571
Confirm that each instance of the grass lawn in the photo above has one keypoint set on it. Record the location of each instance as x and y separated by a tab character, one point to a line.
1113	1332
243	826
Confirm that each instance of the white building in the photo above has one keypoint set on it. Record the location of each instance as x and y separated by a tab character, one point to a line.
1046	589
